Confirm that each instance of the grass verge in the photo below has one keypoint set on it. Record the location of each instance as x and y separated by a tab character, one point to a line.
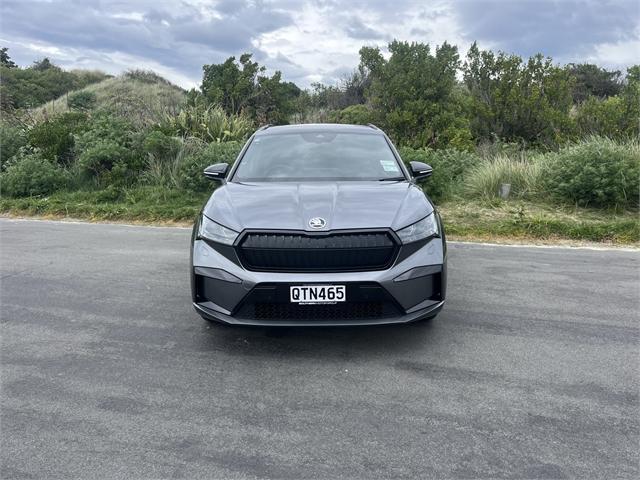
515	220
142	204
522	220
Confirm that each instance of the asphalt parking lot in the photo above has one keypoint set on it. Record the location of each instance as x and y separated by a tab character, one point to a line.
531	370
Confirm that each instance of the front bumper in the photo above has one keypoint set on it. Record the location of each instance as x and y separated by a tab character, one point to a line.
413	288
337	322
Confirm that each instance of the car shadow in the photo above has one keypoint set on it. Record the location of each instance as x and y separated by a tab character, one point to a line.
321	342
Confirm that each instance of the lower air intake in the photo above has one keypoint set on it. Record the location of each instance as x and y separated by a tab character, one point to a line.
354	311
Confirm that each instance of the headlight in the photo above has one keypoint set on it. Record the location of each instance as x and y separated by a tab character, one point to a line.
425	228
215	232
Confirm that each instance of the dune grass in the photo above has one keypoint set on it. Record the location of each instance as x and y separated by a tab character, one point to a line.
136	96
523	174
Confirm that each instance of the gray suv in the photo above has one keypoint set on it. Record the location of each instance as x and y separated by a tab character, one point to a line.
318	225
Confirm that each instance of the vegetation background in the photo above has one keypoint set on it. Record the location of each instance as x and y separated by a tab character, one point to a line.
133	147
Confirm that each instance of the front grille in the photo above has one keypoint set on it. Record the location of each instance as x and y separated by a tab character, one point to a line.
317	252
288	311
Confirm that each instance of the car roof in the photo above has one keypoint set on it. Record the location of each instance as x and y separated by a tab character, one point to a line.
319	127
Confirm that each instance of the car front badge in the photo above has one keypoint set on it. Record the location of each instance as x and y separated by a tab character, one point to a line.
317	222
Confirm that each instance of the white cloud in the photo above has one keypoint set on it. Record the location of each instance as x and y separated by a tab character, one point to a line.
119	62
137	16
617	55
319	40
308	40
113	63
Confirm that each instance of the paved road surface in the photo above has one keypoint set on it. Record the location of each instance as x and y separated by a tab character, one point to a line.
530	371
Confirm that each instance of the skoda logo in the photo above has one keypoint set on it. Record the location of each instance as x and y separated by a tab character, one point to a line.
317	222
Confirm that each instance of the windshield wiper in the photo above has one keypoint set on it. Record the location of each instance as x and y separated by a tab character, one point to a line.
391	179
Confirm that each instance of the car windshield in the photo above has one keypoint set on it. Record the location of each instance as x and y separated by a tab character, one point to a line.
318	156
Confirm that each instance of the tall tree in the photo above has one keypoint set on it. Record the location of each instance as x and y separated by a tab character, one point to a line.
229	84
354	87
631	100
516	100
244	86
44	64
413	93
591	80
5	60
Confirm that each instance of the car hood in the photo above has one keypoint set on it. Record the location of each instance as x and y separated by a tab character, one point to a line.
343	205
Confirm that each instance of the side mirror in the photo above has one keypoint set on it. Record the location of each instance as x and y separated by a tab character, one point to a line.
217	171
420	170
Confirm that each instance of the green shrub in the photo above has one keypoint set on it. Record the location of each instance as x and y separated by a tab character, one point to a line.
24	88
209	123
165	156
522	173
113	165
598	172
32	174
631	100
146	76
354	115
88	77
611	117
495	147
55	136
82	100
110	151
449	167
105	127
159	144
102	156
12	138
190	174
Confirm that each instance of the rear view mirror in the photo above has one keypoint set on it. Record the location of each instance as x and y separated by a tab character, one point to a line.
420	170
216	172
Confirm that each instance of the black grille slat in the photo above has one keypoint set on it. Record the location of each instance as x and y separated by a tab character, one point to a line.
301	241
353	311
308	252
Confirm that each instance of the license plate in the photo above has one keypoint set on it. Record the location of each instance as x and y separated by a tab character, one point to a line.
312	294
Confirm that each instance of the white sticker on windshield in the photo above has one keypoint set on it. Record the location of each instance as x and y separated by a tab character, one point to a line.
389	165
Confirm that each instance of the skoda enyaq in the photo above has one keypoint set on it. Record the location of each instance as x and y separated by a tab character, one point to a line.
318	225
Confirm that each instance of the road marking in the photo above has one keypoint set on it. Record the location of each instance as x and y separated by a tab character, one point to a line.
83	222
535	245
450	242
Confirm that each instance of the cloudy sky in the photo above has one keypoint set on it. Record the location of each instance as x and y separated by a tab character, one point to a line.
308	40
